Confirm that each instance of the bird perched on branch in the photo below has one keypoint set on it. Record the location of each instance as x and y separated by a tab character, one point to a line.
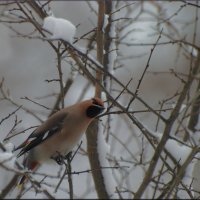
57	136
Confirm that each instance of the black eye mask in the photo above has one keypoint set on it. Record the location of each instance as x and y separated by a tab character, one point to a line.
93	111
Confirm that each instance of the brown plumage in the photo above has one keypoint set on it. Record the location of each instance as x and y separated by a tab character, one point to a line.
60	133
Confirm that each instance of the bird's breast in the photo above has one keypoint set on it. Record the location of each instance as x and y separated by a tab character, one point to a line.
61	142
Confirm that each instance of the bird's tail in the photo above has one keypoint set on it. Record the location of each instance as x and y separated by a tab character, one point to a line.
22	181
33	167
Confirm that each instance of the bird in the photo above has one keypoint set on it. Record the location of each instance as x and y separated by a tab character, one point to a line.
57	136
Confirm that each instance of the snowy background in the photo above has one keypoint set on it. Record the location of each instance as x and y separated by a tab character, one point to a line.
26	63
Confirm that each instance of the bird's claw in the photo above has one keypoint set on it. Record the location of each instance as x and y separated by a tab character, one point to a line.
68	156
59	159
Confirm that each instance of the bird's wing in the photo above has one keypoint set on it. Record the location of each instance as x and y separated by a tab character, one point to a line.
53	125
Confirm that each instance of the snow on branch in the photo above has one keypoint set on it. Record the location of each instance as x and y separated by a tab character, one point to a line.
103	149
7	158
59	28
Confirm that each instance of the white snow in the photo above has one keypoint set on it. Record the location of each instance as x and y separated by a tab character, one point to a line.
112	51
59	28
103	149
191	179
156	134
192	50
180	152
196	175
7	159
9	147
197	127
183	106
195	166
105	22
195	136
103	96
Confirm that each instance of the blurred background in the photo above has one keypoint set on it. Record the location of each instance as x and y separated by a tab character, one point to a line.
25	64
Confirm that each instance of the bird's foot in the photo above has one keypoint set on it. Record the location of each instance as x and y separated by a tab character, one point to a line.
68	156
58	158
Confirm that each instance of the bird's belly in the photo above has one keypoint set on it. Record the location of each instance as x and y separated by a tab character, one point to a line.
60	143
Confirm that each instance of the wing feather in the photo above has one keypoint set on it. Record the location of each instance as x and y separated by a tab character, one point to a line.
53	125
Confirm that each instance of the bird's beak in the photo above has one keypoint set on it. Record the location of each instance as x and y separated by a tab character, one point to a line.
101	108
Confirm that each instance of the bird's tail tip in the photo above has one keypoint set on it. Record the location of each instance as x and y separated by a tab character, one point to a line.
19	186
21	182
